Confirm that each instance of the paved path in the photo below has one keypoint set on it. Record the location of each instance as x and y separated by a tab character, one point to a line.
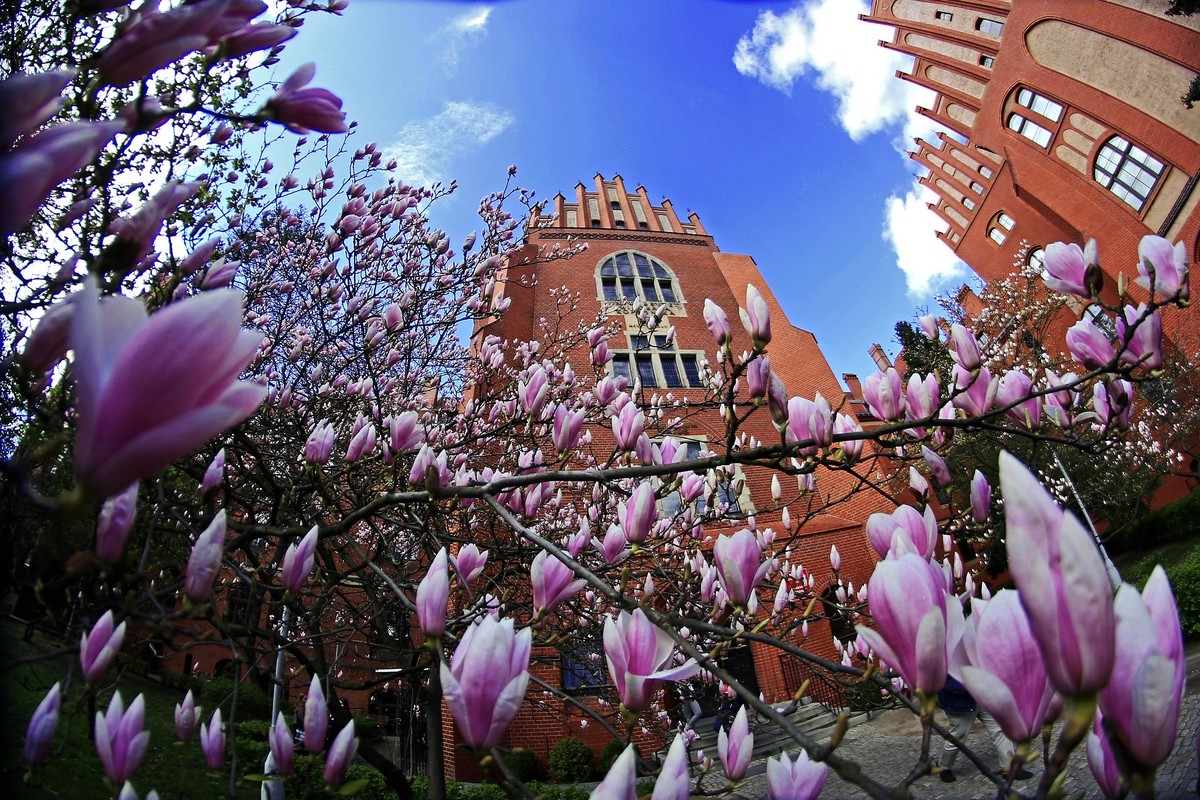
887	747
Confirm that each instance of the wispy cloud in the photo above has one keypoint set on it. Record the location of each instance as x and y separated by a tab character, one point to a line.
461	32
824	41
909	225
425	150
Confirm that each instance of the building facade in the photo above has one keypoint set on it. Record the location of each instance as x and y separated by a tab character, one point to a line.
640	252
1065	124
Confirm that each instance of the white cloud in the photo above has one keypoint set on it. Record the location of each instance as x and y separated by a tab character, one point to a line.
424	150
826	39
462	31
909	226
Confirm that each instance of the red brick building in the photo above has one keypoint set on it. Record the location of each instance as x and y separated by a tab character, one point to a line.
640	250
1066	125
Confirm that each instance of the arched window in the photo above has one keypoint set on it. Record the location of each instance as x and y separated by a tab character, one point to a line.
999	226
1127	171
1037	258
628	276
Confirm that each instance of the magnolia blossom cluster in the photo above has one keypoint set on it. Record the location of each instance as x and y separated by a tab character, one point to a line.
1058	638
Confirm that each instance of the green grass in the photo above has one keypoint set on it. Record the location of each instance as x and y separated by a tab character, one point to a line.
174	769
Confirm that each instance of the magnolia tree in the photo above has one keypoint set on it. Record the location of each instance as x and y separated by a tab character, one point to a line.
229	380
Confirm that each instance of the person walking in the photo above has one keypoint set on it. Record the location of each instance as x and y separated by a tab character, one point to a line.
961	711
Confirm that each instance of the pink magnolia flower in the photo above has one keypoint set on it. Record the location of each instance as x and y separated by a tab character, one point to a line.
120	738
319	446
639	513
1006	674
809	421
639	656
298	561
717	323
214	474
802	779
736	748
919	530
929	326
981	497
673	779
115	523
404	432
1066	269
139	230
553	582
568	425
30	100
362	444
1015	387
851	449
1062	581
205	560
149	390
341	753
40	733
433	596
917	627
212	741
758	377
532	392
1164	268
966	349
924	397
1141	331
1102	762
220	274
756	317
884	393
98	648
469	563
316	717
251	38
1113	402
1143	696
302	109
42	161
975	392
283	746
187	716
485	683
938	470
739	562
620	782
614	545
628	425
1089	345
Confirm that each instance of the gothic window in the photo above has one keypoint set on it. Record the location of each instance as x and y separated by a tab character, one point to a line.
1038	104
1037	258
241	609
991	27
629	276
1029	129
656	363
583	665
1127	171
999	226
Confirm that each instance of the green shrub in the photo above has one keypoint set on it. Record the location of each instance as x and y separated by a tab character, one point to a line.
553	792
484	791
525	765
571	761
1179	520
255	730
612	750
1185	581
866	696
253	702
645	787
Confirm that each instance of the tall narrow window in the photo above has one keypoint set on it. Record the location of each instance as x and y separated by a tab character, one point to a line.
1029	129
656	363
1039	104
991	27
1127	171
999	226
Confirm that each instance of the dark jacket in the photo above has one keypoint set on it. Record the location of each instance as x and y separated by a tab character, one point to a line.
955	698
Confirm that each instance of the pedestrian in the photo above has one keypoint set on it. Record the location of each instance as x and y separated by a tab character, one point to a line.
961	711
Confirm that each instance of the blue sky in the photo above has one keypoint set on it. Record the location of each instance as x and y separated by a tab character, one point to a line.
780	123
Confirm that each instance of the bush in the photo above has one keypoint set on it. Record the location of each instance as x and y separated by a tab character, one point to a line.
612	750
525	765
1179	520
1185	581
255	730
253	702
552	792
571	761
483	791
